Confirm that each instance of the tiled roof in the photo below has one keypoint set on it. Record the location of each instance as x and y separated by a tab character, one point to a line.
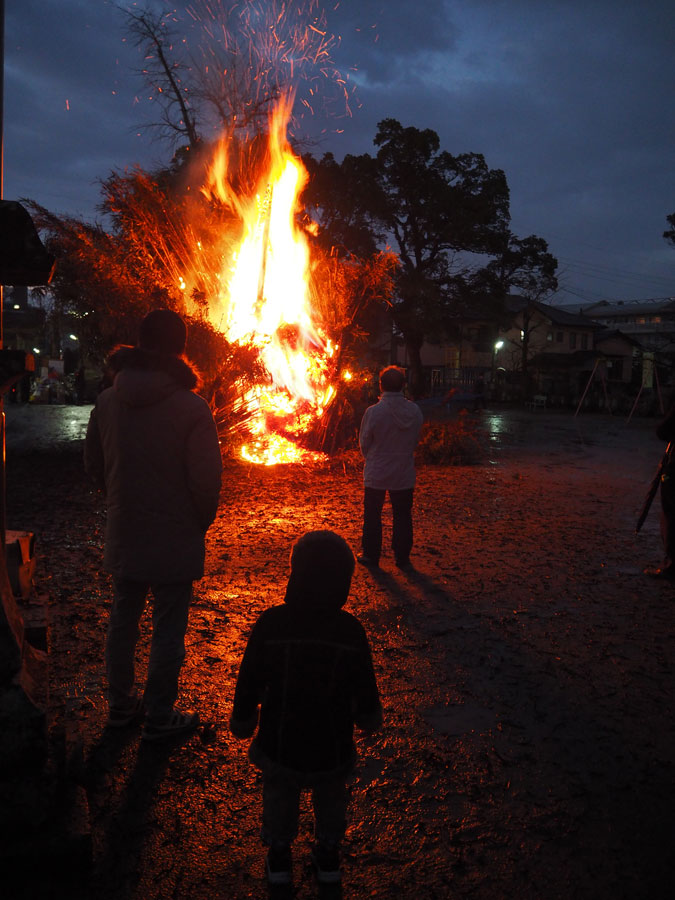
607	309
556	314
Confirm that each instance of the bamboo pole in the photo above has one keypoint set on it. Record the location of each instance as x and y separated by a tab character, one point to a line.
583	396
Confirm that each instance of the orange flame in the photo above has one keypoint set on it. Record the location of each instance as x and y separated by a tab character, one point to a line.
265	300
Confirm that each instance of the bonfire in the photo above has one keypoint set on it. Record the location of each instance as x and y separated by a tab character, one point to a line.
220	240
262	298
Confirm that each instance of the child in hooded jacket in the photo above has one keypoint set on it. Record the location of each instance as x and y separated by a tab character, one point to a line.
308	668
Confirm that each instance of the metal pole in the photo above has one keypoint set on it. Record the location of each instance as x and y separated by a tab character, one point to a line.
587	387
639	393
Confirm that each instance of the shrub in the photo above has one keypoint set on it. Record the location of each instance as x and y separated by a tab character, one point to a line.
453	443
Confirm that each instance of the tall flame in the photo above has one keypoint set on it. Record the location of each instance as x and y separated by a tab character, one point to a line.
266	300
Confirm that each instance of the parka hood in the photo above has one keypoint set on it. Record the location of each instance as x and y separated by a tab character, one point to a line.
144	377
322	565
404	413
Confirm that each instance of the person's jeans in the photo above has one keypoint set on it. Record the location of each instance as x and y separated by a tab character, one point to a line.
167	651
281	805
402	530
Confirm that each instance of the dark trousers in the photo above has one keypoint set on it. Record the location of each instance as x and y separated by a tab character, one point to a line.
402	531
281	806
170	606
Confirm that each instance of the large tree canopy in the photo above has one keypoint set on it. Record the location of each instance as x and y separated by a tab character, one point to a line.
523	265
440	213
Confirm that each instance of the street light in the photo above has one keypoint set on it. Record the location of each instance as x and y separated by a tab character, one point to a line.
495	350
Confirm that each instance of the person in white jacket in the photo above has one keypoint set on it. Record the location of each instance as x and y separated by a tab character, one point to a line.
389	433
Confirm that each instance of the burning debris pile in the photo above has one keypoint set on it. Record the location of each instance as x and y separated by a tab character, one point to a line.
281	303
259	295
221	236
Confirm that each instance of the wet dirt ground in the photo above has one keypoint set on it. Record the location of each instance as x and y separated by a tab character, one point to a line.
525	667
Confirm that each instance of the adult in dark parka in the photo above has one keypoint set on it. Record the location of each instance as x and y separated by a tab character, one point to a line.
152	446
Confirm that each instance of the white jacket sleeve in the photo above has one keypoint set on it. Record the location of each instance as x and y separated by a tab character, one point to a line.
365	433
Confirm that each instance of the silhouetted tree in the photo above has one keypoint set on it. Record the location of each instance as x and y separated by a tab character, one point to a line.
238	61
434	208
669	235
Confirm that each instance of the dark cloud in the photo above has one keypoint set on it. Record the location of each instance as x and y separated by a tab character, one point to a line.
382	40
69	102
572	99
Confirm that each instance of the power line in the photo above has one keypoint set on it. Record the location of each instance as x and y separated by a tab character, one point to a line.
609	273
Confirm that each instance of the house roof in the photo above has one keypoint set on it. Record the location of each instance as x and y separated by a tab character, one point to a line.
555	314
606	309
606	334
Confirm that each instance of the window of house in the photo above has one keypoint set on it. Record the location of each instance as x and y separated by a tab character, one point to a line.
549	337
584	342
573	340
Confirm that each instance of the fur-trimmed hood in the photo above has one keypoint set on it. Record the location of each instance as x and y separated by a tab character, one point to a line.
143	377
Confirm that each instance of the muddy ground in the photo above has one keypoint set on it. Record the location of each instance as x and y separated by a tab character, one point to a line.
525	667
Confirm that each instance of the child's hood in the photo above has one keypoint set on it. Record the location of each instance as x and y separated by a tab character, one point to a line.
322	565
317	595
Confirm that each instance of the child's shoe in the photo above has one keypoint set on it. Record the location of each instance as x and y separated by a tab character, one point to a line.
279	865
326	861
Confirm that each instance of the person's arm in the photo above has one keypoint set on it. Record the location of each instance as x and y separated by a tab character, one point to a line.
249	688
204	467
365	433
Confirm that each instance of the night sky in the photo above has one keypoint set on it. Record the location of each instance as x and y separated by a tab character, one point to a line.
573	99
